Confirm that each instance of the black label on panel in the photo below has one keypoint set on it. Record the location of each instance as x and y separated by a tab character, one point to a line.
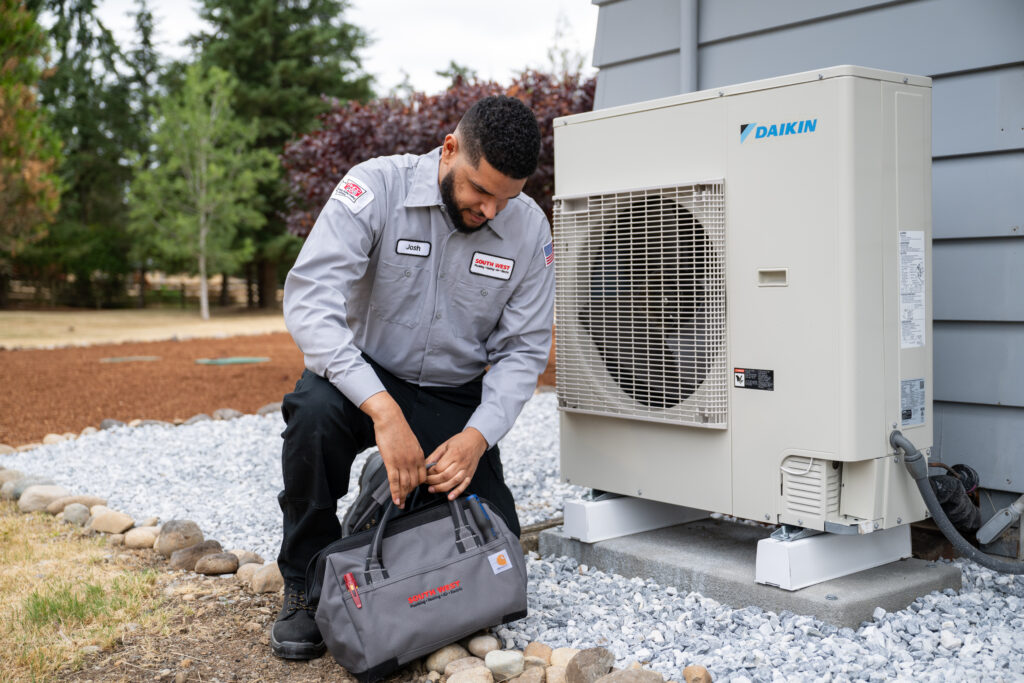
750	378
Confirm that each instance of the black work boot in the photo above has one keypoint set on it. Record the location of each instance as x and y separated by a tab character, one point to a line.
295	634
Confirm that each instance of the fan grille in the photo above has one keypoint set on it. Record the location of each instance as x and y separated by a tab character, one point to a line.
640	304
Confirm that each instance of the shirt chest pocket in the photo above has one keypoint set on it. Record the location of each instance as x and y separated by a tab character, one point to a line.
398	293
477	306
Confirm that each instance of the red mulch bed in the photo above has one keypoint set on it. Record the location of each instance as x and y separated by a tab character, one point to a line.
66	390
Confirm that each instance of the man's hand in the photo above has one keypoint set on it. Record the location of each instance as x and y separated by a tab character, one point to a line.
456	460
399	448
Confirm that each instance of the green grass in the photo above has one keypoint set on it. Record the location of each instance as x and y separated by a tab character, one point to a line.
67	604
60	592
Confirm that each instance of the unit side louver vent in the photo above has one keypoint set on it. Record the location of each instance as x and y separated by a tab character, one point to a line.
810	486
640	304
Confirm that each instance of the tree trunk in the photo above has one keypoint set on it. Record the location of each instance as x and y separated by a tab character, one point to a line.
250	301
141	303
204	290
267	282
5	283
225	295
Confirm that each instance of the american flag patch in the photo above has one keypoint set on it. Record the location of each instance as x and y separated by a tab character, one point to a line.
549	254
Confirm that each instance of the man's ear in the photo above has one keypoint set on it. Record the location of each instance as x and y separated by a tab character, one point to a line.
450	148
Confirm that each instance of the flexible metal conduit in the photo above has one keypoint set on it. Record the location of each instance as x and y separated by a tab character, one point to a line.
918	468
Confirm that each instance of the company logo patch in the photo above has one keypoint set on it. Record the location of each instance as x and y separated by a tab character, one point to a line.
412	248
353	193
776	130
500	561
549	254
432	594
491	266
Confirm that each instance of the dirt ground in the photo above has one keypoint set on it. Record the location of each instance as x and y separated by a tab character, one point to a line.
67	389
216	630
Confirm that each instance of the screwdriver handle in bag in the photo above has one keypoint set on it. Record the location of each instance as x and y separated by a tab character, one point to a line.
482	520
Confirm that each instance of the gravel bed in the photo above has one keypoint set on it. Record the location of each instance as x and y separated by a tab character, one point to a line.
225	476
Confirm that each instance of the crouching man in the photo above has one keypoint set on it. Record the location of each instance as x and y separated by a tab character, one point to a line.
420	272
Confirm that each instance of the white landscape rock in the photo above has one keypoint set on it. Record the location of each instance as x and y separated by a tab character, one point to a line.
554	674
141	537
479	646
504	664
246	557
75	513
36	498
560	656
480	674
950	641
110	521
267	579
246	572
445	656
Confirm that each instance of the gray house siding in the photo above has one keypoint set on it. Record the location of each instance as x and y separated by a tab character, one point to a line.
974	51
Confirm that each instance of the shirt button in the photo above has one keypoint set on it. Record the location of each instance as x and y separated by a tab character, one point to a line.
437	316
441	275
408	273
483	292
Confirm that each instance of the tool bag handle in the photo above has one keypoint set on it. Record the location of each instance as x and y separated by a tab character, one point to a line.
375	569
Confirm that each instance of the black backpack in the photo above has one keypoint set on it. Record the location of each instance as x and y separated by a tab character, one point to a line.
374	495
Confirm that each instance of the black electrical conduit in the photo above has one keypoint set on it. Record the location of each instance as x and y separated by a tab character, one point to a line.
918	467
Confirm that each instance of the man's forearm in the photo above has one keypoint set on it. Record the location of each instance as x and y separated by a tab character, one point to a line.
382	409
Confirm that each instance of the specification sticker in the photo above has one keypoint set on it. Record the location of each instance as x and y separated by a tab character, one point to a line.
912	402
749	378
912	289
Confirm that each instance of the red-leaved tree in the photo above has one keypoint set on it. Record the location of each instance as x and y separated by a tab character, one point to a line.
355	132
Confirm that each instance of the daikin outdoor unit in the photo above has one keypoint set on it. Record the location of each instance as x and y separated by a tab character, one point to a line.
743	305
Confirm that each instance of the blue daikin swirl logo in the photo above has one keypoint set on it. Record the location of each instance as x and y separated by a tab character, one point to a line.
776	130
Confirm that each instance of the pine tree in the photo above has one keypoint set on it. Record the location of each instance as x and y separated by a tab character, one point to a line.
286	56
29	188
89	100
143	62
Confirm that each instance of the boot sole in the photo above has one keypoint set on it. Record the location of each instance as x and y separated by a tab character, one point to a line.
294	650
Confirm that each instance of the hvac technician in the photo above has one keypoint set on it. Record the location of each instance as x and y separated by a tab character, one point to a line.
419	273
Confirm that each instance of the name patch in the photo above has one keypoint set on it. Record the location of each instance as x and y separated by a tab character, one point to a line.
491	266
413	248
353	193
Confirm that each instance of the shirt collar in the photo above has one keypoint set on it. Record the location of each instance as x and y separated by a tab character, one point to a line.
425	190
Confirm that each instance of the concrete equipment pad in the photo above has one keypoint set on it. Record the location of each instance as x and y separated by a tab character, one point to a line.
716	558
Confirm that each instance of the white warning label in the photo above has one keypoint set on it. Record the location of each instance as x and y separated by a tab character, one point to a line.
912	401
912	278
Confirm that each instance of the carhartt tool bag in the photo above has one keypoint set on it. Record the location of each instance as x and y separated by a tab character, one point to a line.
415	583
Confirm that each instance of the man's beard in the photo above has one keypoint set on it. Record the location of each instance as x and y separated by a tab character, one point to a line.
454	212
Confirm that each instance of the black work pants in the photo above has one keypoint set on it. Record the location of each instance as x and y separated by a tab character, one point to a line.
325	431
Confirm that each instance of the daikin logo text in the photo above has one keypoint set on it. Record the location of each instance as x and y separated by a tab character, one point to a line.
776	130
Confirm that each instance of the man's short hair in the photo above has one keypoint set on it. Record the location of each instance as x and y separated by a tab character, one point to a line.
505	132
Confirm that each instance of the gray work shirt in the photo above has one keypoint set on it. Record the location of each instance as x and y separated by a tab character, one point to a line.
383	271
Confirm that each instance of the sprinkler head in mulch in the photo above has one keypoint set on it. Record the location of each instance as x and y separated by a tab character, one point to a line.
232	360
130	359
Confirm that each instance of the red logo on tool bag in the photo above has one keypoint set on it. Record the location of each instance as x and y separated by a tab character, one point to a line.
434	593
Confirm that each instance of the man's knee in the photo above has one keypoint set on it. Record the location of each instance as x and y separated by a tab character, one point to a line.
314	401
324	432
